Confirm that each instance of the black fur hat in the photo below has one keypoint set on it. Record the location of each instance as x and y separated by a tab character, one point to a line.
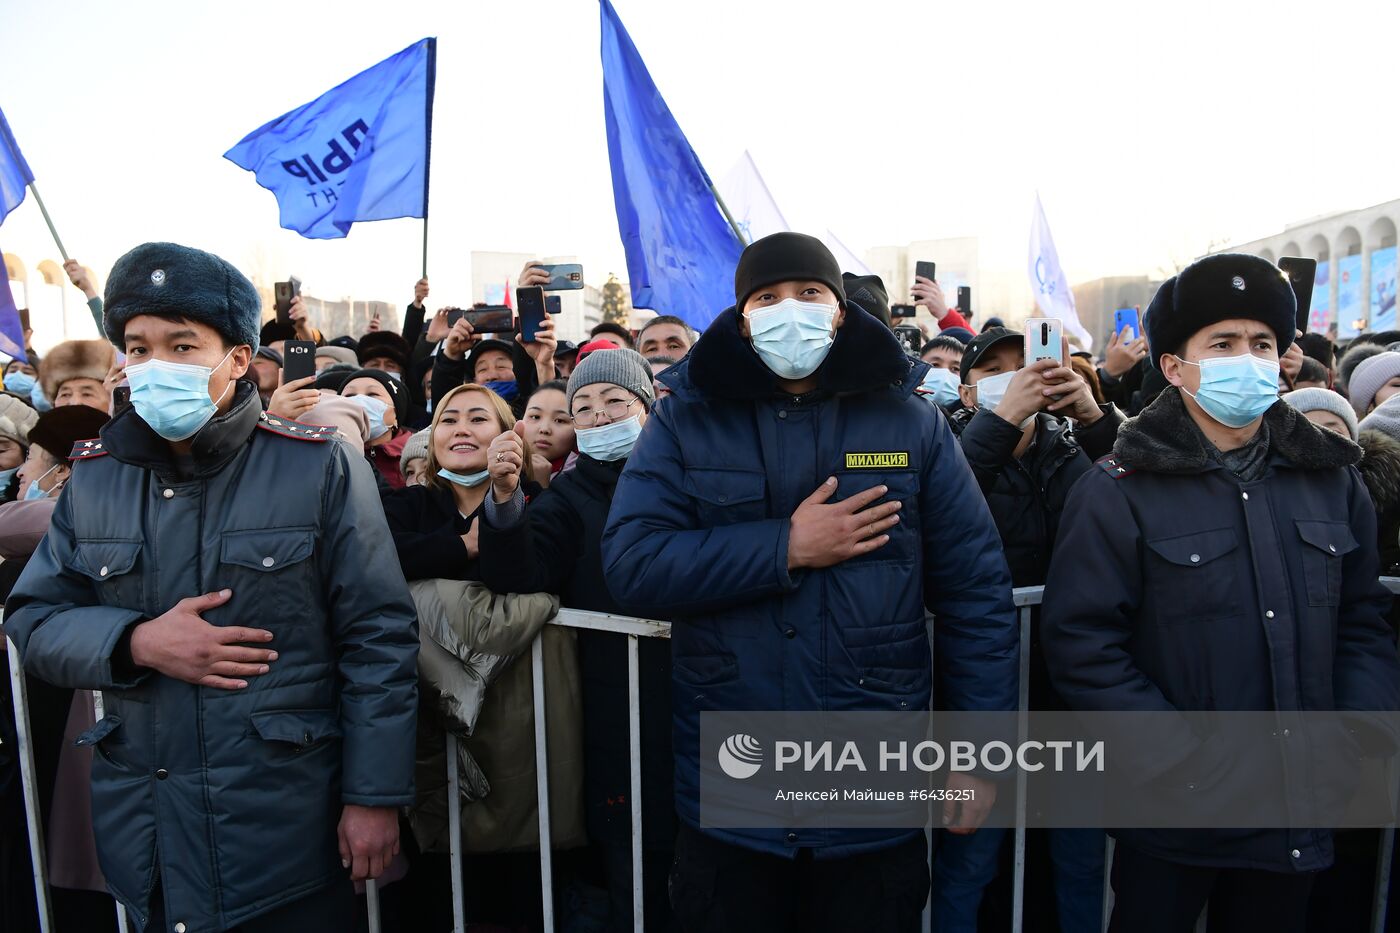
166	278
1220	288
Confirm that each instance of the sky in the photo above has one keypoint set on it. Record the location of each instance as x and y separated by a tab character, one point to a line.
1150	131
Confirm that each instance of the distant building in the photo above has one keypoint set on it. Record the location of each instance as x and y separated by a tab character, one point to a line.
57	311
1355	251
1097	300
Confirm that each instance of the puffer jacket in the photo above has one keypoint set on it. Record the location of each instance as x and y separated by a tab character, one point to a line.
1177	587
230	800
698	533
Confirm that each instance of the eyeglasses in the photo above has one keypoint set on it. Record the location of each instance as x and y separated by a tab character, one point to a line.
616	411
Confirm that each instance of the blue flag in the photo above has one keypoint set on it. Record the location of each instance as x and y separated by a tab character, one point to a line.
681	252
357	152
11	330
14	173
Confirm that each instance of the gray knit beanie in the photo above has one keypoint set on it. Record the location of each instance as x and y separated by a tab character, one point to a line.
1316	399
1386	418
624	368
416	447
1368	377
1356	354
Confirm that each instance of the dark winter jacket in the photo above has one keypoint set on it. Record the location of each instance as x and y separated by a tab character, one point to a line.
1028	495
699	534
428	529
231	799
1177	587
1380	468
556	548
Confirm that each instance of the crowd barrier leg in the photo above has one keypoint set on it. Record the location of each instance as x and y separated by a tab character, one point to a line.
1380	898
29	785
1018	884
372	904
454	831
1108	846
542	784
634	736
99	712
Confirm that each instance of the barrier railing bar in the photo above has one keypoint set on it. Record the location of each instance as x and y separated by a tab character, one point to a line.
30	788
1018	883
606	622
454	831
372	904
542	783
634	738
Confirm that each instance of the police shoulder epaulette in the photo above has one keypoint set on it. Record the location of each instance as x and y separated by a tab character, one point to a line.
87	450
1113	467
286	427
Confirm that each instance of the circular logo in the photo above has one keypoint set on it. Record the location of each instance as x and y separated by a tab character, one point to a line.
1238	282
741	756
158	277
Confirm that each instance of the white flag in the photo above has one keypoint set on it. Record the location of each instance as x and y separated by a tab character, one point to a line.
1048	281
847	260
749	201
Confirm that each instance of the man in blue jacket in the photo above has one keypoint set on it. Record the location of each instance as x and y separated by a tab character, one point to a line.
797	570
1223	558
227	580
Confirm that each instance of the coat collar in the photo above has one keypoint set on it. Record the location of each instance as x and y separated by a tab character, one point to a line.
1164	439
130	440
864	357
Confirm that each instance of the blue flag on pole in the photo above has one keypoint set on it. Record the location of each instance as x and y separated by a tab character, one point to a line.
14	172
681	252
11	330
357	152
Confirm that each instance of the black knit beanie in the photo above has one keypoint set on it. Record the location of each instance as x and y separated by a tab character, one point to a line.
785	257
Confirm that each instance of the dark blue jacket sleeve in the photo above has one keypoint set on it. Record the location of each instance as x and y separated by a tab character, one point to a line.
660	561
966	583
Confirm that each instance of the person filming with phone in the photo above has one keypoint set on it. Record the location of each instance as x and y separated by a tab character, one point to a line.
227	579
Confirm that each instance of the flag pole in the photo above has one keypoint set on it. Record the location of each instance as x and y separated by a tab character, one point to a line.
724	209
45	211
425	244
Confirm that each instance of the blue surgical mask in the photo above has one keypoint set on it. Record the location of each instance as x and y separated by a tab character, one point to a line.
39	400
6	476
940	386
609	442
20	383
375	410
792	337
990	390
35	492
505	388
1235	390
465	479
173	398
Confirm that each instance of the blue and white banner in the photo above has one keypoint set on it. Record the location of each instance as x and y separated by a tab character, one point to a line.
14	171
357	152
1048	281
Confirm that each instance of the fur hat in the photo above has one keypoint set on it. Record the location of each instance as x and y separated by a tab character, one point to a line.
341	355
166	278
16	418
384	344
1220	288
1316	399
75	359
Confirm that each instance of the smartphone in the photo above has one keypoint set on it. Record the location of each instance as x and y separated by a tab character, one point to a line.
1127	317
910	338
926	269
553	304
121	397
23	319
562	276
902	310
283	293
298	360
965	301
530	301
1043	340
492	319
1301	275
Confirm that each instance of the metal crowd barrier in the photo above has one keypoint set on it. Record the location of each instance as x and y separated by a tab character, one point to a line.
1026	599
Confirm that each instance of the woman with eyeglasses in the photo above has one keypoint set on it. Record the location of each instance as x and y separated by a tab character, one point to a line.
553	546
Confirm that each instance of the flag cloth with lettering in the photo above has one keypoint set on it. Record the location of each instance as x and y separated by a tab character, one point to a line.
11	330
357	152
1048	281
681	252
14	176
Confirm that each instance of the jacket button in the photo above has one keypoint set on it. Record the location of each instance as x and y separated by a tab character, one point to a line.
102	572
782	415
721	498
1332	548
268	561
179	928
1195	558
1246	496
162	774
1296	854
792	837
1269	614
791	633
169	494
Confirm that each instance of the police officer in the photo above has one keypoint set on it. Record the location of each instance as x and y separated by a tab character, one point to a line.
227	580
1223	558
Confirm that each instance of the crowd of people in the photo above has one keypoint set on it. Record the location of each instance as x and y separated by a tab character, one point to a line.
289	592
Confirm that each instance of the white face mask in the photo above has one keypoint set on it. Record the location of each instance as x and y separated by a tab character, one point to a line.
992	389
792	337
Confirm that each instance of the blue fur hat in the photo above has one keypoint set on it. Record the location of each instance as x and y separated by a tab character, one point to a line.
166	278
